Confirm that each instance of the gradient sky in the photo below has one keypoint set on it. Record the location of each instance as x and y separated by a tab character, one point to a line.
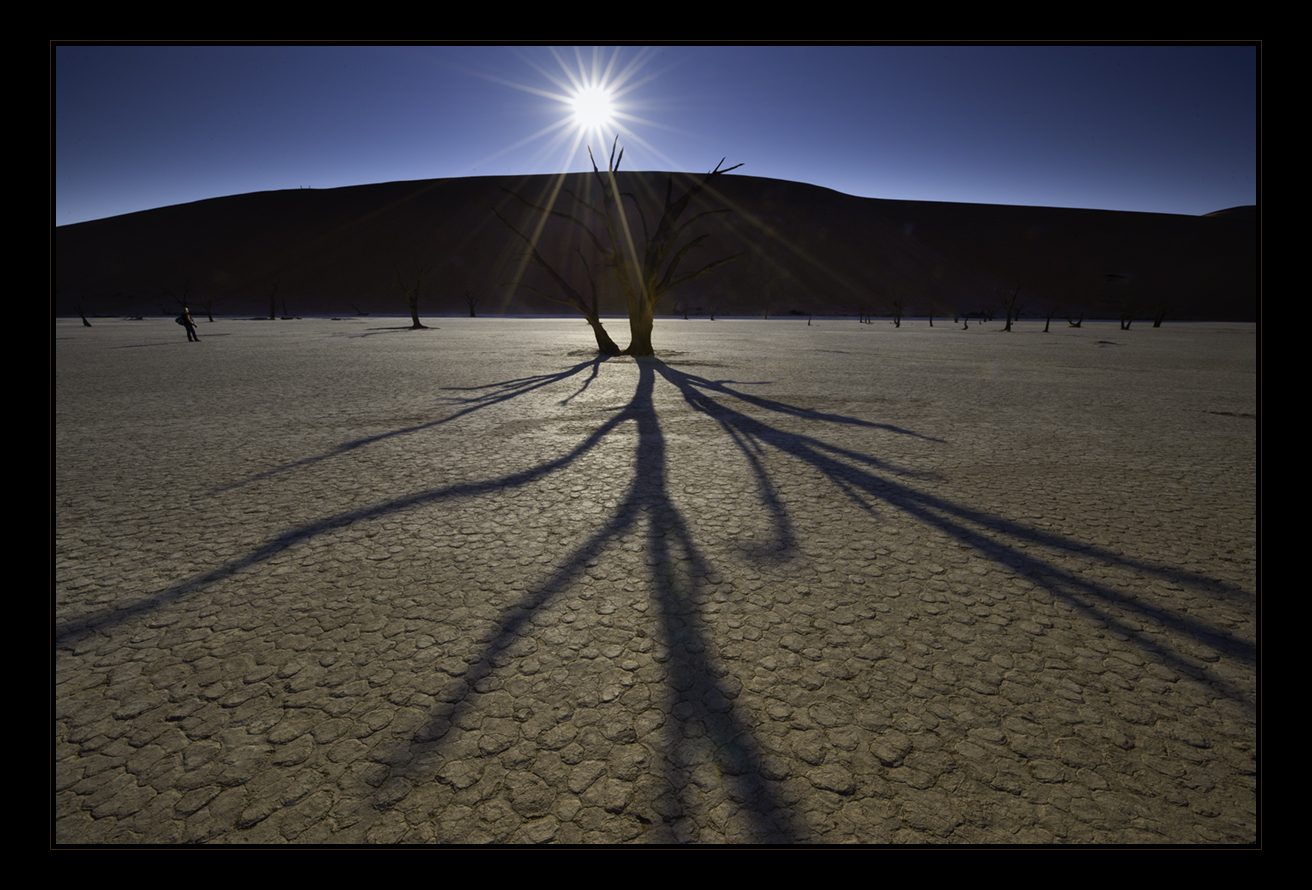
1164	129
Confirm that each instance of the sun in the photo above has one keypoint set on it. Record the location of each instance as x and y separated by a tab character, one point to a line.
594	108
596	105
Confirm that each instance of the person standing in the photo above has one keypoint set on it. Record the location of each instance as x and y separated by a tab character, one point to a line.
186	321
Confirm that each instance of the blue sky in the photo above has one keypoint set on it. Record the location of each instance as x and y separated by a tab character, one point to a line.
1161	128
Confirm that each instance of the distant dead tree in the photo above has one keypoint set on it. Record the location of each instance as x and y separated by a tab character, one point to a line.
897	312
1120	283
411	292
463	275
645	270
77	307
1127	313
715	301
207	306
1009	297
205	303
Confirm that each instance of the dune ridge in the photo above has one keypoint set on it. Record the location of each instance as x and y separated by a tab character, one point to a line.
808	249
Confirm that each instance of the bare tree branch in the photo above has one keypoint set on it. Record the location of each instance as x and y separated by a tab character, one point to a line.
643	276
587	230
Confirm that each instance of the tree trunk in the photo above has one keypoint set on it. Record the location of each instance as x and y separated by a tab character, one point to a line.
641	320
605	345
414	314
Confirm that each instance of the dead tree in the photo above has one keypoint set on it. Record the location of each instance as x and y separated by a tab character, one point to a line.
205	303
1120	285
412	294
1009	303
207	306
567	293
646	271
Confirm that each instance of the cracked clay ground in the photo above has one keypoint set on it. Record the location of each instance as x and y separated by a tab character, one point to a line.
334	582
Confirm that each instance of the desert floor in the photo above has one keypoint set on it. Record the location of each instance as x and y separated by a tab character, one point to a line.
336	581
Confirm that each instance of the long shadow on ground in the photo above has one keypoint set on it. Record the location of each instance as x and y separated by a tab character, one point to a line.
697	696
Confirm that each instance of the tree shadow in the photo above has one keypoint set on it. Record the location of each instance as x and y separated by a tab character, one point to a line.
697	696
998	538
499	392
699	700
373	332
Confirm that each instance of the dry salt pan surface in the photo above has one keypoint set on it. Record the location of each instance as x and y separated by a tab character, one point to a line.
334	581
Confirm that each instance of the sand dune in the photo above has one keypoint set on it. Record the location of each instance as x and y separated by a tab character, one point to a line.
808	249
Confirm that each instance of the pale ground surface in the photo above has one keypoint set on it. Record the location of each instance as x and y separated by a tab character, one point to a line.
325	581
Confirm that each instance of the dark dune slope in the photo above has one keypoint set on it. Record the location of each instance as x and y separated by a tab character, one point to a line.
805	248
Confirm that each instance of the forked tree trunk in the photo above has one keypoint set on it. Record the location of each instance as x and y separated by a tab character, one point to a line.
643	277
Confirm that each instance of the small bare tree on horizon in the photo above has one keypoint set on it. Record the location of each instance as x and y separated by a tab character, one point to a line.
411	292
1009	296
206	304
